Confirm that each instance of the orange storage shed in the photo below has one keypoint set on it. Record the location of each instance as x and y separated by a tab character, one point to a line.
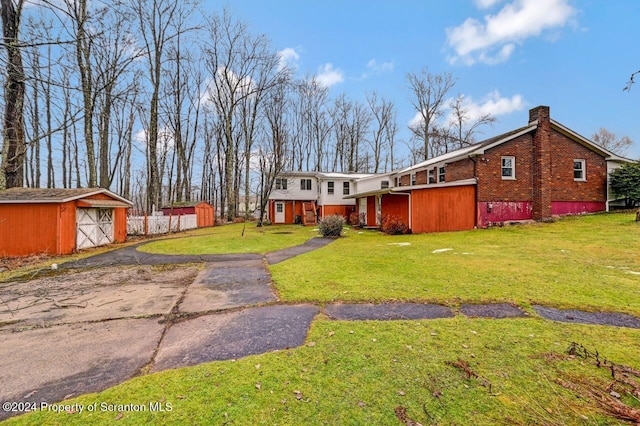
60	221
202	209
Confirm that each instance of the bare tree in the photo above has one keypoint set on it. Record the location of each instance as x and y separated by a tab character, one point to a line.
159	23
14	147
273	151
610	141
241	66
429	92
463	126
383	113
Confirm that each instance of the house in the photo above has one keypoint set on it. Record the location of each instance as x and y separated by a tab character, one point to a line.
303	197
203	210
60	221
532	173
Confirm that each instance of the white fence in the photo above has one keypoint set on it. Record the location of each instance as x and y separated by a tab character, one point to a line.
148	225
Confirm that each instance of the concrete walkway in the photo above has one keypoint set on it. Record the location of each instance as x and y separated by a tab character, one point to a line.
82	332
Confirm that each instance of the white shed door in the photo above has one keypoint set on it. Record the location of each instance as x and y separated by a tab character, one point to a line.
94	227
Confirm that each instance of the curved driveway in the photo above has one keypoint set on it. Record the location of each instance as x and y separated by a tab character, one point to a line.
110	317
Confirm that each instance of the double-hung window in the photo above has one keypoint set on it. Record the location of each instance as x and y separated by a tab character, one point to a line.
345	188
330	187
413	178
441	174
508	166
579	170
432	176
281	184
305	184
384	184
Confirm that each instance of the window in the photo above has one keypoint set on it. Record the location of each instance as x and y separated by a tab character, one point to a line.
432	176
384	184
305	184
397	182
413	178
281	183
508	168
330	187
279	207
345	188
579	170
441	174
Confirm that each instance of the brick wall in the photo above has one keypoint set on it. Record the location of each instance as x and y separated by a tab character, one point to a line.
563	185
460	170
491	186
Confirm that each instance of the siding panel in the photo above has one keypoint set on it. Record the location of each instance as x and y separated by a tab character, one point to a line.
443	209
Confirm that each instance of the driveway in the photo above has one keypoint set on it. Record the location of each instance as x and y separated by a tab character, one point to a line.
102	320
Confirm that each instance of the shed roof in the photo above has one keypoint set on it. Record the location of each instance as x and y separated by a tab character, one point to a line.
53	195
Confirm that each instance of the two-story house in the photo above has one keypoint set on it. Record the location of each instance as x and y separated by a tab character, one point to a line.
303	197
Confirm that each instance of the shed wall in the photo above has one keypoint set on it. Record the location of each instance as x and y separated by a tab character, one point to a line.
29	228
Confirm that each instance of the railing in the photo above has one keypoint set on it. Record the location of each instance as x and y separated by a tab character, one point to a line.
151	225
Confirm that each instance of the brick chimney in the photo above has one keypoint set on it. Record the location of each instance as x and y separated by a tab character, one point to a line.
541	162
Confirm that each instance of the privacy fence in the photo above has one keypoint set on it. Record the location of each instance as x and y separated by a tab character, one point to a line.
151	225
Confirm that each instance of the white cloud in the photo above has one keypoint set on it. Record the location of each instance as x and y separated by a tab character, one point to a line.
289	57
382	68
485	4
374	68
493	103
494	40
328	75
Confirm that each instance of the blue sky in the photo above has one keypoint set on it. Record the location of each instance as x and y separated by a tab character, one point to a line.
507	55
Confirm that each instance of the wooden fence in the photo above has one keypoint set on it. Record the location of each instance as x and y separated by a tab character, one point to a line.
151	225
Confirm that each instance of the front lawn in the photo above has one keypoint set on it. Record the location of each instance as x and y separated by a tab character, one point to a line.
230	239
379	373
588	262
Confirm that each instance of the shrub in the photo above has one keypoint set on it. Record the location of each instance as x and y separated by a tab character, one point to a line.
331	226
392	225
354	219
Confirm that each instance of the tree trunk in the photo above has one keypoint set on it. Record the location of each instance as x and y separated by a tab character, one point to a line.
14	147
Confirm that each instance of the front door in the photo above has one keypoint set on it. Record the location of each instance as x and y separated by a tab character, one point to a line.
279	212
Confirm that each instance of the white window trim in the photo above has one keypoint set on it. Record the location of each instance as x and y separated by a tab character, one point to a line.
584	170
331	189
303	186
513	167
413	179
442	175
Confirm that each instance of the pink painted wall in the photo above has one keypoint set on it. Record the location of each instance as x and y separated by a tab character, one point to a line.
576	207
503	211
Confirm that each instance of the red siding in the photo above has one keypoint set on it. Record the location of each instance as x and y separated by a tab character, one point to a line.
503	211
396	206
443	209
341	210
371	211
29	229
576	207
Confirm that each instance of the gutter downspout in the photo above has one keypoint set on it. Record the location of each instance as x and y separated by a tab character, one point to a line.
475	176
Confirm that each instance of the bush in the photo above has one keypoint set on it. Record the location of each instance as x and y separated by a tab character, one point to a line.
354	219
392	225
331	226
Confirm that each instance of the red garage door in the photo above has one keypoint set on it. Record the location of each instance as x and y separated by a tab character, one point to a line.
443	209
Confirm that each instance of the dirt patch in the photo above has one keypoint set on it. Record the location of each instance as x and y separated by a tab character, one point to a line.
96	294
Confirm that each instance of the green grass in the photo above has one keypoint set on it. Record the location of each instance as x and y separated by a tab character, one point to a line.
358	373
352	373
229	239
589	262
